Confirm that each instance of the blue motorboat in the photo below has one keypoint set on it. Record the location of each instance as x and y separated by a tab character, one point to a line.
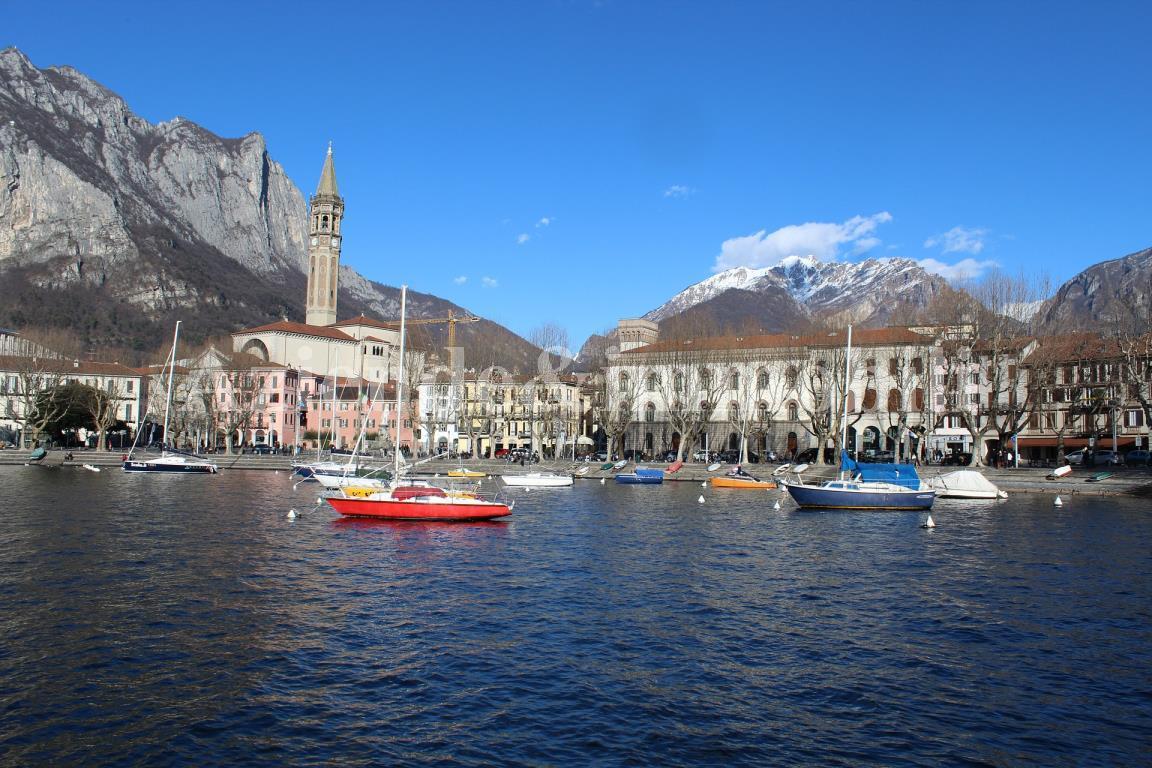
864	486
642	476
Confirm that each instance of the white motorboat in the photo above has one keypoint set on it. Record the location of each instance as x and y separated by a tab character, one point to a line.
964	484
538	480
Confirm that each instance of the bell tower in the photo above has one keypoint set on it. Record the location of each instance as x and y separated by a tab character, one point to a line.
326	211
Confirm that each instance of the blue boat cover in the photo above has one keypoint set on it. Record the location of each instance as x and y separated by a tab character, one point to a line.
645	472
898	474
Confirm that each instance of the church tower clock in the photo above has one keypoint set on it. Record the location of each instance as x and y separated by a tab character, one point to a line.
326	211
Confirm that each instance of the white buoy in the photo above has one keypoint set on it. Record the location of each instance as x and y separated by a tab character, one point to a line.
704	484
701	499
1058	502
776	505
291	514
929	523
601	481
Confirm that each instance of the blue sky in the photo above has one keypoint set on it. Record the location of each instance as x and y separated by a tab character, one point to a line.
578	161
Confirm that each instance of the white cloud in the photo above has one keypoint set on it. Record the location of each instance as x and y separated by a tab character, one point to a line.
522	238
959	240
489	282
460	280
678	190
965	269
824	240
544	221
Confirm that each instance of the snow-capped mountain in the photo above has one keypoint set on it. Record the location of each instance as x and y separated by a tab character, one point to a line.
863	292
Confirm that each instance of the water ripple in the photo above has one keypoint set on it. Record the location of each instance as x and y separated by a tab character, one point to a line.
186	621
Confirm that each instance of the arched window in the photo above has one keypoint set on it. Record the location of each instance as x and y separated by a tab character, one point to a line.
623	381
705	378
894	400
851	401
733	411
790	377
734	380
918	399
918	366
762	379
324	222
650	412
653	382
869	399
762	412
679	382
793	411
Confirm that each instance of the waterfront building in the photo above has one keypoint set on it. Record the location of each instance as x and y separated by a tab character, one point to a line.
925	392
489	411
24	379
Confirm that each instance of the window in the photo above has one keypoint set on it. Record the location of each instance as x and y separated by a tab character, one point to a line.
679	382
893	366
790	377
734	380
705	378
762	412
918	366
129	385
653	382
623	382
869	398
734	411
894	400
793	412
272	418
650	412
762	380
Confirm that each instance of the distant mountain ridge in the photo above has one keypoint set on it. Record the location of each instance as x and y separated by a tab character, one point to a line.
113	227
1112	293
803	289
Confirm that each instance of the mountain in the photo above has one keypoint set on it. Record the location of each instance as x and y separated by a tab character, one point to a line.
114	227
801	291
1104	295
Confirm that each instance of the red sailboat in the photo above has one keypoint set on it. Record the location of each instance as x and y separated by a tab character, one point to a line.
409	499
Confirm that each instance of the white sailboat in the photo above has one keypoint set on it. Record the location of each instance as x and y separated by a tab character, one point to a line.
170	460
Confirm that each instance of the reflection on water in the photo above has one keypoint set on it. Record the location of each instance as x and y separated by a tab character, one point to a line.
186	620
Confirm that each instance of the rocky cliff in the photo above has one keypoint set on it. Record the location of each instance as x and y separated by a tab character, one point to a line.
113	227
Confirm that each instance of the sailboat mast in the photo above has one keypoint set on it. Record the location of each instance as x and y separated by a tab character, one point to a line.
847	382
400	383
171	376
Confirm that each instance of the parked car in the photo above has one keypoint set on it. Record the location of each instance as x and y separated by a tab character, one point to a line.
263	449
704	456
1138	458
956	460
1099	458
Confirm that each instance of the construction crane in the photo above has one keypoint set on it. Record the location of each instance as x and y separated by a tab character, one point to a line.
451	320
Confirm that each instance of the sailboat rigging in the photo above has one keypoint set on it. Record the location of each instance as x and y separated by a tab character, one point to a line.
170	460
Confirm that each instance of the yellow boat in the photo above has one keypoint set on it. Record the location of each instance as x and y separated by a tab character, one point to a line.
466	473
735	481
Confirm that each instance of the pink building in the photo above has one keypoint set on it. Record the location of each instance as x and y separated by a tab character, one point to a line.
333	408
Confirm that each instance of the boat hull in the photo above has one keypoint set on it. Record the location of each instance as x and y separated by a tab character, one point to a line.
537	481
430	508
174	469
742	482
631	479
819	497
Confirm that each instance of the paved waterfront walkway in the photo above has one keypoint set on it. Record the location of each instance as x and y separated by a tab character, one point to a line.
1022	480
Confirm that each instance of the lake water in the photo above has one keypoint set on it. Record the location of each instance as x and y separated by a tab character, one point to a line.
186	621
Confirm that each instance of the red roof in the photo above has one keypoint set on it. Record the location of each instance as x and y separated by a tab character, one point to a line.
863	337
299	329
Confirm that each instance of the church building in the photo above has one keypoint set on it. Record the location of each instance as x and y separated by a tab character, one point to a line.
357	348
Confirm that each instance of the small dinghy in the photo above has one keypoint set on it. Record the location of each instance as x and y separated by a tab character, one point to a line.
1060	472
1100	476
713	467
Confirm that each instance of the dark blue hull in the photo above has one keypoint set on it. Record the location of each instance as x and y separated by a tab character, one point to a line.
630	479
819	497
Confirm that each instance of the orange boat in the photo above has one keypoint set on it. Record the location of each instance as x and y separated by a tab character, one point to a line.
736	481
